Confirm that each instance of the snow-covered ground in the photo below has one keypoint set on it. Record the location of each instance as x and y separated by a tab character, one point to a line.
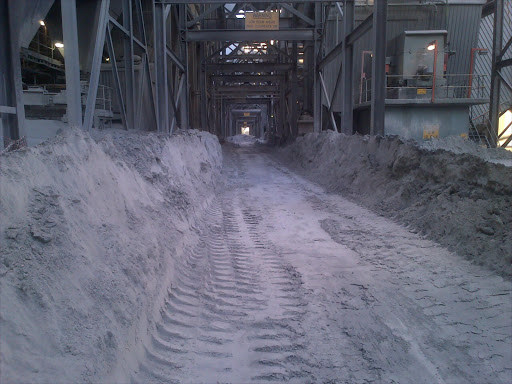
448	190
90	234
242	140
292	284
457	144
128	259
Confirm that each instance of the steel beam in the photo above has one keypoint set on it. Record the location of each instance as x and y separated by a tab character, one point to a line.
250	56
333	54
248	67
249	35
246	111
175	59
218	51
378	104
297	13
249	88
203	15
488	8
96	65
505	48
329	105
360	30
70	38
504	63
126	32
248	78
347	68
244	94
252	1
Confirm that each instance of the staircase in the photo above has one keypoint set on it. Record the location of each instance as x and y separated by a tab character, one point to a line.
481	132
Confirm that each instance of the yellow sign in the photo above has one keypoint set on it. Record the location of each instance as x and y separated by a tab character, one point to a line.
262	20
421	91
247	114
431	132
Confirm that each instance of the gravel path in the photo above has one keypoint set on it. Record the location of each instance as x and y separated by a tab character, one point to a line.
289	283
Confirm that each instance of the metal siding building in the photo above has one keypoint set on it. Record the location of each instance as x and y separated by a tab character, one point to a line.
460	18
483	63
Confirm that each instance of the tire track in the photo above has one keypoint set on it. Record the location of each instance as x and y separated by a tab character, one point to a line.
234	313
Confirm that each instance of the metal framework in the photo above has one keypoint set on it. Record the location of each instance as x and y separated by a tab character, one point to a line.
177	63
499	50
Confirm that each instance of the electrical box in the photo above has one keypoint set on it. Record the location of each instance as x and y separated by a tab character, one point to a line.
417	64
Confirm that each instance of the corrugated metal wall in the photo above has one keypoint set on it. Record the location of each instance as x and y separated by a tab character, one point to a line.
462	21
483	63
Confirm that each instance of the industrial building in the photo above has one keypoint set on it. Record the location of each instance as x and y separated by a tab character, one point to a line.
444	59
293	191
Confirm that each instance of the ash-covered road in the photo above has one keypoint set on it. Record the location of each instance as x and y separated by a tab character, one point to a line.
289	283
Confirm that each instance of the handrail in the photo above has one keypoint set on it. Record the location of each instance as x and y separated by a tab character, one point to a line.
451	86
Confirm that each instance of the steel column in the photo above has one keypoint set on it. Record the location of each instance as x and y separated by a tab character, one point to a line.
294	90
129	72
115	74
11	87
70	37
162	94
497	45
378	103
347	68
185	106
96	65
317	95
140	19
202	86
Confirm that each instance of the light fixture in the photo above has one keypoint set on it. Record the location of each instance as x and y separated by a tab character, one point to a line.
271	42
59	45
42	23
431	47
107	59
301	61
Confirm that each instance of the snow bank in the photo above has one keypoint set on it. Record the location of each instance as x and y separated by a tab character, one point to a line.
457	144
90	232
242	140
457	199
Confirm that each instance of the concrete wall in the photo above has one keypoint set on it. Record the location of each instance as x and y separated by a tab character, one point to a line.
410	122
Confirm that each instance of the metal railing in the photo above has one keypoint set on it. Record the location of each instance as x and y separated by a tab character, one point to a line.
103	96
480	125
480	130
458	86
